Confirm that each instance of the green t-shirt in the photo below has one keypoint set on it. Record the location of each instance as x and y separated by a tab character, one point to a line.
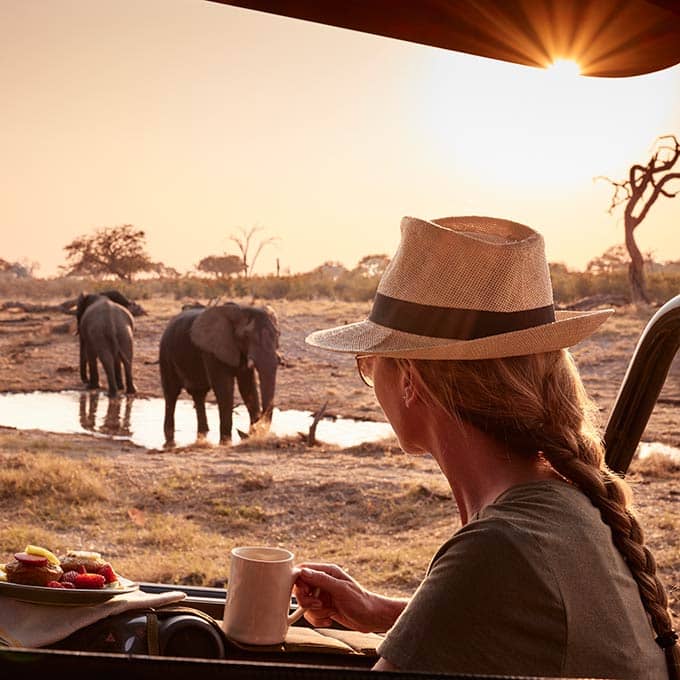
532	586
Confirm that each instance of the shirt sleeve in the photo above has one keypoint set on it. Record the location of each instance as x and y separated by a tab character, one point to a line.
487	605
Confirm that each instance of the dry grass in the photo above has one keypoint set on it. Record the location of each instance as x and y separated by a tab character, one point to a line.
657	466
174	517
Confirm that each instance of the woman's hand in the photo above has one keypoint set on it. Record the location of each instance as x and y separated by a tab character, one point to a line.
333	595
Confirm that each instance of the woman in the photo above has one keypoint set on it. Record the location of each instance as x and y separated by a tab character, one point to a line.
549	574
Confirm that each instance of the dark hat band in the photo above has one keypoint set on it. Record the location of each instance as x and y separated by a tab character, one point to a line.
451	322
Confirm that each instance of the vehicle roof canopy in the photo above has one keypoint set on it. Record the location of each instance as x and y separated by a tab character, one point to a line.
607	38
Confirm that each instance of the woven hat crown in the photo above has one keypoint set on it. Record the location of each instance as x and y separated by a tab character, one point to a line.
478	263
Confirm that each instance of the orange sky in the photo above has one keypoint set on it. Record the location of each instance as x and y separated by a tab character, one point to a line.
190	119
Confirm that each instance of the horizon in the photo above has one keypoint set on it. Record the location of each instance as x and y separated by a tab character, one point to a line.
191	119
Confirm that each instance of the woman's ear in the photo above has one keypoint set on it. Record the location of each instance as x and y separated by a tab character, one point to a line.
213	331
410	385
414	389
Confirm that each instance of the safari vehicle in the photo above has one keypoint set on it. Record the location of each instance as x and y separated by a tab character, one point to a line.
608	38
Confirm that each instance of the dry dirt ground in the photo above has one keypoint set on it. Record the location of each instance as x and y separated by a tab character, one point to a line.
375	510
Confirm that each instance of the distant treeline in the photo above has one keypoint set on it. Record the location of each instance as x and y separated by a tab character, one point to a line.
346	285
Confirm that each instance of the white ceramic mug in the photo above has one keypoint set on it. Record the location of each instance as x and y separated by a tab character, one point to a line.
258	595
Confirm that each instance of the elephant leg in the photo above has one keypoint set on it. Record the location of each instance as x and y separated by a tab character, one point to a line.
247	386
201	419
171	395
83	361
93	384
109	360
224	393
126	353
119	374
129	382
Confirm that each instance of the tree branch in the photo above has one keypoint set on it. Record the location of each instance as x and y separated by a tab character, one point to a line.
658	189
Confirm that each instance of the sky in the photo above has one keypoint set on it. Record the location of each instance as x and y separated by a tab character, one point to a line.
192	120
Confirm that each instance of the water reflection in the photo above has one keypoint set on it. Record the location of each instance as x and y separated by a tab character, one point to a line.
648	448
141	420
112	425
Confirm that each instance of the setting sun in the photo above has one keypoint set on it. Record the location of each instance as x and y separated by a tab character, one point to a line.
519	127
564	68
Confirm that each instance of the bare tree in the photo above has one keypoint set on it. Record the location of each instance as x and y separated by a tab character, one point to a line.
250	247
638	193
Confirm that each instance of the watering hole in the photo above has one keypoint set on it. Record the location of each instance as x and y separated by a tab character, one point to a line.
140	420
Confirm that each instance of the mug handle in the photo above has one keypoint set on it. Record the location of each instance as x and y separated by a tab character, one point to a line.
298	613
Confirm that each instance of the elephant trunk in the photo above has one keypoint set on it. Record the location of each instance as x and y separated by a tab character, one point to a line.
267	376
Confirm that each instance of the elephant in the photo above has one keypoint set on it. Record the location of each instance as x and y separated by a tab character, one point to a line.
106	333
206	348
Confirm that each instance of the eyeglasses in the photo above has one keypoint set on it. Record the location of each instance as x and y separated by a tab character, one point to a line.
365	365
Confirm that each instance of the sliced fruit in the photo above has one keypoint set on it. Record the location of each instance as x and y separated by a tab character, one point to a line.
84	554
67	584
54	584
42	552
30	560
107	572
91	581
69	577
3	573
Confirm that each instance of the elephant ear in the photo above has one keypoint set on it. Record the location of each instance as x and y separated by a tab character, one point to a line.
216	331
272	316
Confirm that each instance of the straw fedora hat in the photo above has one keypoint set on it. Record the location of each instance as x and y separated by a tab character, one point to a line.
463	288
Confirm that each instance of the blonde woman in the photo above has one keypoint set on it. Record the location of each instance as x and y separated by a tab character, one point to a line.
549	574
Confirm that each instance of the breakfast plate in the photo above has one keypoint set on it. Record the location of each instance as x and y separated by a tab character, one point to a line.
66	596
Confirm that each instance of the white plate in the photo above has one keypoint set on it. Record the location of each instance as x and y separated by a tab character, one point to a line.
42	595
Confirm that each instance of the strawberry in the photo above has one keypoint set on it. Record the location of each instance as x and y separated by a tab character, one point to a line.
81	569
54	584
90	581
69	577
107	572
67	584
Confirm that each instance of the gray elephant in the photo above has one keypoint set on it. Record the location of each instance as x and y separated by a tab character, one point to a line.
105	329
207	348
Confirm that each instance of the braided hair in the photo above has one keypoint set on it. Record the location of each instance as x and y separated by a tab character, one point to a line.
537	405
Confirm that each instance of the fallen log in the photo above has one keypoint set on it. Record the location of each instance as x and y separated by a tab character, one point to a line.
66	307
595	301
30	308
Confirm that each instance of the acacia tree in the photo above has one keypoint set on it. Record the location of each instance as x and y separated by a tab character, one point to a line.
638	194
21	269
221	266
373	265
118	251
250	247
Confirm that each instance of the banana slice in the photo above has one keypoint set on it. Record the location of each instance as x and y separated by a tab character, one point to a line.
42	552
84	554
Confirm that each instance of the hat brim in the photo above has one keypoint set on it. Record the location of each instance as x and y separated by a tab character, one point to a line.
367	337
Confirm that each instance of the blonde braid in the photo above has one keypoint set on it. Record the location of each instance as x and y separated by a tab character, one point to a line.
609	494
537	405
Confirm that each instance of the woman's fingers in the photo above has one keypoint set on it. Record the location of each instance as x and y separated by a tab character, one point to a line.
331	569
318	621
